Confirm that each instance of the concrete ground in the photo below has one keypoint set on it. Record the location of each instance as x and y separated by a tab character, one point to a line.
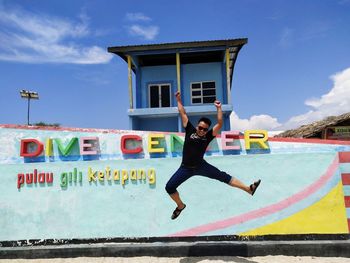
266	259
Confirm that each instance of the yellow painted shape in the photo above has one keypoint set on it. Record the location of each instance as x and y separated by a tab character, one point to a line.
49	148
178	76
228	75
327	216
130	82
152	143
261	141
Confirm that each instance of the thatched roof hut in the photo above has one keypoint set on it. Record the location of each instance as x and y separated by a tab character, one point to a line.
317	129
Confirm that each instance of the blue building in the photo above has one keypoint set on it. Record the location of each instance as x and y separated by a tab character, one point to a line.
202	71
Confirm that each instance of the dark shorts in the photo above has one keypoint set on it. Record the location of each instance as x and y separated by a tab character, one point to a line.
204	169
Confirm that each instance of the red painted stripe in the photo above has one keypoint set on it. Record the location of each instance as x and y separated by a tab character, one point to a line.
344	157
47	128
271	139
302	140
271	209
347	201
345	179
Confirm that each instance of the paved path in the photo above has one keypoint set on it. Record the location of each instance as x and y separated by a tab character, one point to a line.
266	259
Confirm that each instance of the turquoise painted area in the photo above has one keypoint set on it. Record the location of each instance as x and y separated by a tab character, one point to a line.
345	167
106	208
138	209
346	190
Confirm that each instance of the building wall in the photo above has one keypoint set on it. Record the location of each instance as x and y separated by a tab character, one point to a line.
104	194
157	124
201	72
156	75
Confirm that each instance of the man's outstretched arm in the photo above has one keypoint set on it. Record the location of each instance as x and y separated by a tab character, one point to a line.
217	127
181	109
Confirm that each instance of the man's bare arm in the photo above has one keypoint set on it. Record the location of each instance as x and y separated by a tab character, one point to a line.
181	109
217	127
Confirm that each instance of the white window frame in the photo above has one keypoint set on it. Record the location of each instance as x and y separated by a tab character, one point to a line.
201	89
160	93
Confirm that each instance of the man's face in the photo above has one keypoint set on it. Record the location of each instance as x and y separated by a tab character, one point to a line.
202	128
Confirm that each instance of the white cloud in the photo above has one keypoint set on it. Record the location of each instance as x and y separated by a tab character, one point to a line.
264	122
335	102
137	17
146	32
37	38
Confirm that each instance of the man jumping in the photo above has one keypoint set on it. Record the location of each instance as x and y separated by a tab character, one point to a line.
196	142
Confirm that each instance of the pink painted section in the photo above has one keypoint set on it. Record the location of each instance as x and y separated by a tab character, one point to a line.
86	143
266	210
229	137
344	157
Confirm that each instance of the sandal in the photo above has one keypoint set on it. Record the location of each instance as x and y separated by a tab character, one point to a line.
177	212
256	184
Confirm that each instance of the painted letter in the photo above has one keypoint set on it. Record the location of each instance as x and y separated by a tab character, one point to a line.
174	138
91	175
49	178
88	145
20	180
255	136
101	175
125	176
24	148
49	148
123	141
65	150
64	180
152	142
41	178
152	176
229	137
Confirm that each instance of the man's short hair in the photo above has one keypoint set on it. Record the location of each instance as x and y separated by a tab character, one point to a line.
205	120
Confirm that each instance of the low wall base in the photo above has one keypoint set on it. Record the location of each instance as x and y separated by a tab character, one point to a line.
301	245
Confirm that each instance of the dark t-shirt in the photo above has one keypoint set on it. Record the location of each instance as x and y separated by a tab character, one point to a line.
195	146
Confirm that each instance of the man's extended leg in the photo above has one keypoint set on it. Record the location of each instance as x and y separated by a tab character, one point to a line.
237	183
211	171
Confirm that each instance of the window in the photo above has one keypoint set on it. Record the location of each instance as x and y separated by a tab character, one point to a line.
203	92
159	95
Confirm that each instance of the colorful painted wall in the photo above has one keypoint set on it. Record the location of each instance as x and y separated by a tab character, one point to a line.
83	183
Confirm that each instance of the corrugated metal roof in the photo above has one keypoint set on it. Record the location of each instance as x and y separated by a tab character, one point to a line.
161	46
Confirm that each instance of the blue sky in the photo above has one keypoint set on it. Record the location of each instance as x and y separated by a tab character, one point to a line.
295	68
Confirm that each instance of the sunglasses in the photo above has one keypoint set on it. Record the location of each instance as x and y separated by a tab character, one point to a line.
202	128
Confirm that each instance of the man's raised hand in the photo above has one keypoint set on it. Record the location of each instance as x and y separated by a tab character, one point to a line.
178	96
217	104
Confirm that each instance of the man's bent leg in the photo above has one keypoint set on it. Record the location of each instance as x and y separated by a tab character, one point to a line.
176	197
180	176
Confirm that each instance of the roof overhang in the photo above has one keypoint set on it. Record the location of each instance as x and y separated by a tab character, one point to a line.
190	52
